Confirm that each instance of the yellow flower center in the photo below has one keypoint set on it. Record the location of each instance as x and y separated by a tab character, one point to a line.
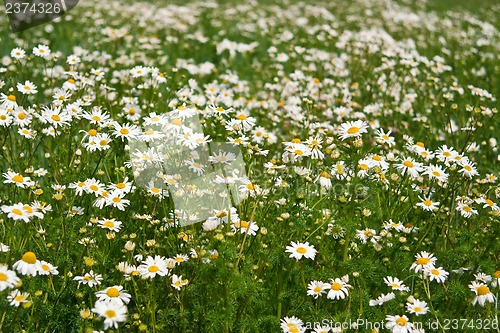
353	130
55	117
3	277
298	152
423	261
241	117
434	271
428	203
336	286
124	131
96	118
317	289
244	224
436	174
11	98
417	309
92	132
408	164
468	168
395	285
19	298
467	209
153	269
103	142
497	275
364	166
45	267
482	290
18	178
110	313
250	186
401	321
27	88
177	122
377	158
296	140
131	111
113	292
301	250
94	187
325	174
28	209
21	116
29	257
17	212
109	224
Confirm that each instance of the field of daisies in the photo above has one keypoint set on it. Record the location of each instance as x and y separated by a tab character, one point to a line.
283	166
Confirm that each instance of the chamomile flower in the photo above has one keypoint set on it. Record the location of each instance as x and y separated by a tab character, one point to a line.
110	224
395	283
28	88
47	269
465	209
112	312
42	51
382	299
338	289
28	265
427	204
8	278
292	325
417	307
409	166
436	172
483	293
423	260
17	179
352	129
317	288
114	293
399	324
178	282
367	235
152	267
90	279
245	227
299	250
436	274
18	53
16	298
385	138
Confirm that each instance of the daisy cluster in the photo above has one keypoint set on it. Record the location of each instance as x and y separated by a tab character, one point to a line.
224	167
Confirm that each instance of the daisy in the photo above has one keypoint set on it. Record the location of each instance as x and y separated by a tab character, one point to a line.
324	179
384	138
112	312
91	279
436	172
468	169
41	51
28	265
17	179
367	234
110	224
114	293
317	288
132	112
423	260
16	297
496	279
245	227
126	131
28	88
97	116
16	212
47	269
17	53
340	171
292	325
352	129
338	289
243	121
465	209
55	117
438	274
399	324
8	102
153	266
395	283
115	199
409	166
299	250
178	282
364	166
427	204
483	293
138	71
417	307
8	278
382	299
315	145
5	117
324	329
488	203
